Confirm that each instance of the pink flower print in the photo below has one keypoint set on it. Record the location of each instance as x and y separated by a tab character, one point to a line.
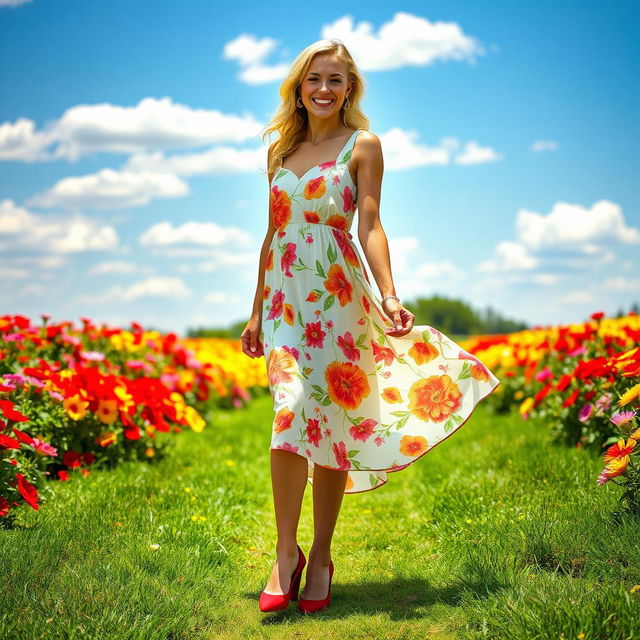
314	433
378	441
360	321
327	165
365	304
436	332
314	334
335	179
329	324
292	350
348	346
281	232
386	373
307	355
309	238
340	452
276	304
443	367
327	433
363	430
308	452
287	447
348	203
288	258
324	418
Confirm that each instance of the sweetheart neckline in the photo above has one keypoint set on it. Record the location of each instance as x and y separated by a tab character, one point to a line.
281	168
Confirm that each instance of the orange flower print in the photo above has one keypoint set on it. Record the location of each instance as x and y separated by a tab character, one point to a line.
311	216
315	188
338	284
266	291
340	452
314	432
348	346
288	258
281	367
382	353
434	398
363	430
391	395
283	419
346	248
413	445
280	207
423	352
348	202
365	303
289	314
338	221
478	370
269	265
347	384
314	334
276	305
312	297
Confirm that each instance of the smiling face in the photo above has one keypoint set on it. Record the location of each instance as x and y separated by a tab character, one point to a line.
325	86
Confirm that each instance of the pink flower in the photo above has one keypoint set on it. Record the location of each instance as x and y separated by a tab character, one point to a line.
622	418
292	350
544	374
276	305
378	441
309	238
340	452
363	430
603	402
288	258
287	447
348	346
314	334
585	412
314	433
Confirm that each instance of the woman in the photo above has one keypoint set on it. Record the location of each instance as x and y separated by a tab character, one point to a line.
358	391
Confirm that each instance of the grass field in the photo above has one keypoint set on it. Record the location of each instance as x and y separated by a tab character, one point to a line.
494	534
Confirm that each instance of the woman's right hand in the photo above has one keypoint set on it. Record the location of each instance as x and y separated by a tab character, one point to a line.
250	337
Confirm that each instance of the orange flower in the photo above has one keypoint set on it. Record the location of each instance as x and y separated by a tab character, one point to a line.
338	221
346	248
106	438
422	352
283	419
75	406
281	367
413	445
391	395
347	384
619	449
289	314
312	297
107	411
269	264
616	467
434	398
266	292
311	216
315	188
337	283
280	207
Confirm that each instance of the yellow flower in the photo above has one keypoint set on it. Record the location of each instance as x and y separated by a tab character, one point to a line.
187	489
229	463
629	395
194	419
635	588
75	406
525	406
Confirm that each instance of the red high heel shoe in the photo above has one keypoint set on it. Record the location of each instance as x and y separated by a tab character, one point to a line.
277	601
310	606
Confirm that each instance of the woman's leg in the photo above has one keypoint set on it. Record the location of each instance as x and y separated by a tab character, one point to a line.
328	491
288	482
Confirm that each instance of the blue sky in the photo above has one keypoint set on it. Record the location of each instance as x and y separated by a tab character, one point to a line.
132	181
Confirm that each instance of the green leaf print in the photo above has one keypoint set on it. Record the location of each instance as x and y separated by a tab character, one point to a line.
466	371
399	414
448	425
352	452
373	479
361	340
331	253
300	319
320	270
328	303
425	336
304	419
276	324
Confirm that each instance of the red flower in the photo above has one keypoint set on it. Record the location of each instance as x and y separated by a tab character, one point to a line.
340	452
348	346
27	491
314	433
571	399
363	430
314	334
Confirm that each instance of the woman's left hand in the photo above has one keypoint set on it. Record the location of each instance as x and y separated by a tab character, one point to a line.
402	318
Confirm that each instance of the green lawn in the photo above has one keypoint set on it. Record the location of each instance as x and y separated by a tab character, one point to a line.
494	534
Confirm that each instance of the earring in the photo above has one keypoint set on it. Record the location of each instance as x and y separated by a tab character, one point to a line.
299	103
346	103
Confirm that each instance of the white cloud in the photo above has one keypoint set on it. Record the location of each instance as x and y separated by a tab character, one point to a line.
570	235
620	283
21	229
574	227
155	287
164	234
543	145
406	40
110	189
576	297
222	297
152	124
473	153
117	267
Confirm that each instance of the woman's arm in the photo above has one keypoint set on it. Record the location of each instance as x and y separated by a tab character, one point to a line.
256	311
373	239
369	170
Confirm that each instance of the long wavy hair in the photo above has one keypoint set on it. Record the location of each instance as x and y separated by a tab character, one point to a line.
290	121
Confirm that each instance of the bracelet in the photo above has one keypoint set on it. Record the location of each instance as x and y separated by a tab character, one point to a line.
387	297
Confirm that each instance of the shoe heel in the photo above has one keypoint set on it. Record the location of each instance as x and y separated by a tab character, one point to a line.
295	586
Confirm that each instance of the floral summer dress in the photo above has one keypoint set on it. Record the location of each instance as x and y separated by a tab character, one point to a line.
345	394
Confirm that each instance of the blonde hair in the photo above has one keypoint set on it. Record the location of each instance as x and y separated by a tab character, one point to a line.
290	121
